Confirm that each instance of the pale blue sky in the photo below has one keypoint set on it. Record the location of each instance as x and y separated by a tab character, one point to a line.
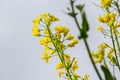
20	53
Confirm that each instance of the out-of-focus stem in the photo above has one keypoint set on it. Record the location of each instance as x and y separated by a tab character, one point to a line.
117	6
114	48
85	41
58	52
116	38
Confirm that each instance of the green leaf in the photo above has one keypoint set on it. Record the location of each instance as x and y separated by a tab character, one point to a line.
72	14
80	7
85	26
107	74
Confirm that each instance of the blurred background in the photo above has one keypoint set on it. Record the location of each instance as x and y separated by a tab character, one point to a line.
20	52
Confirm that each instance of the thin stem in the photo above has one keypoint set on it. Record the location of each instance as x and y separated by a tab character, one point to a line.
61	57
116	38
51	37
89	53
68	73
75	18
85	41
114	47
118	9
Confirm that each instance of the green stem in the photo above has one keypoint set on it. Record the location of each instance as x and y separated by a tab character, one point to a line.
51	37
75	18
61	57
114	48
68	73
116	38
117	6
118	9
85	41
89	53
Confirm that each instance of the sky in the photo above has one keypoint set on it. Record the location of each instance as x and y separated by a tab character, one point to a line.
20	52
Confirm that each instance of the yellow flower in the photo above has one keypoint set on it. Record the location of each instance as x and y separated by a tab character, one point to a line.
108	18
117	24
59	65
100	19
45	41
61	45
105	3
86	76
52	52
48	18
75	65
46	57
110	54
65	31
60	73
35	31
58	35
45	15
76	76
54	18
100	28
103	46
62	29
116	31
36	21
73	42
98	56
46	32
70	37
67	57
35	28
46	49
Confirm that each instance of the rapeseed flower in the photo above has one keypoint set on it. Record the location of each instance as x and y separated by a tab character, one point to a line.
105	3
108	18
46	57
86	76
75	65
60	73
35	31
73	43
36	21
59	65
62	29
70	37
99	28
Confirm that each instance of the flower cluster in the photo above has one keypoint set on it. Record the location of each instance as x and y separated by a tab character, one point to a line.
108	18
107	55
105	3
55	44
103	54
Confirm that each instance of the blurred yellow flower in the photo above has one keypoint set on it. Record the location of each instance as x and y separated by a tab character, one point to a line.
75	65
105	3
70	37
60	73
62	29
86	76
35	31
36	21
73	42
46	57
59	65
99	28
